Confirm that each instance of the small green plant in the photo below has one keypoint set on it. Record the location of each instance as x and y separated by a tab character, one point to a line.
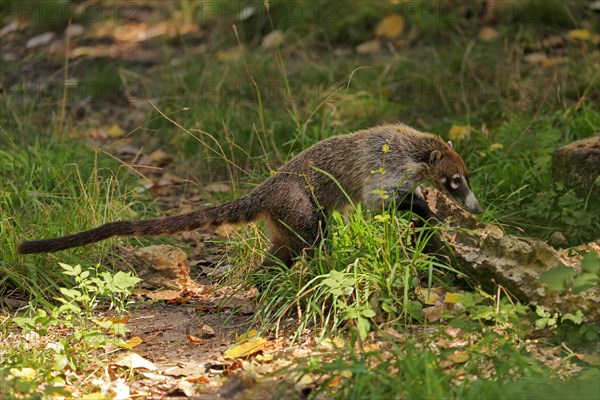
562	277
367	272
69	336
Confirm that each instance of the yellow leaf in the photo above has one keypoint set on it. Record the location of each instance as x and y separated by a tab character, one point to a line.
579	34
459	132
496	146
429	297
548	63
452	298
371	347
229	55
159	155
248	335
332	343
134	341
24	374
245	349
390	27
95	396
458	357
385	148
264	358
114	131
117	320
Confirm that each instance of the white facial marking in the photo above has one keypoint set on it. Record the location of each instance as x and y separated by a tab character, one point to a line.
443	180
454	185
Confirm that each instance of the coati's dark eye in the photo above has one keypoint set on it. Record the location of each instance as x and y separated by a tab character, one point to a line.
456	180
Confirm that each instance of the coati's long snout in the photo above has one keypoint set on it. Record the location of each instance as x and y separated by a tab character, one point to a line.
379	166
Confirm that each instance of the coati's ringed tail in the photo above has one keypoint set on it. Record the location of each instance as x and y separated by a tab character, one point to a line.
237	211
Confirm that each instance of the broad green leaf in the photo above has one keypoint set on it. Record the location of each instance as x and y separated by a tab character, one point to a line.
557	278
363	327
583	282
368	313
576	318
591	262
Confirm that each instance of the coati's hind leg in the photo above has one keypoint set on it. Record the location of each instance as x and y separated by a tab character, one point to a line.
297	226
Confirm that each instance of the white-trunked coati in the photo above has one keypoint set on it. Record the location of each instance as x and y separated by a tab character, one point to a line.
378	166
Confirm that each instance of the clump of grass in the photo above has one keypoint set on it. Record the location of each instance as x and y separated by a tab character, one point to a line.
368	272
51	189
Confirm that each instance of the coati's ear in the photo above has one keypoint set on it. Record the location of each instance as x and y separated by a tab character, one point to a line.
435	157
450	143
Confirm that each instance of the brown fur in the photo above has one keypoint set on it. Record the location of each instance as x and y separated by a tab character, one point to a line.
296	201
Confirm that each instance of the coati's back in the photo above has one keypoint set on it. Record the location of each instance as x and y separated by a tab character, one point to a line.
363	163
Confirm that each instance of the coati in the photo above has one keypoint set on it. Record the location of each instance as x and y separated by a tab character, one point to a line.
378	166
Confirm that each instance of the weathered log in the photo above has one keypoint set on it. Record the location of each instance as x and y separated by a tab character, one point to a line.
491	257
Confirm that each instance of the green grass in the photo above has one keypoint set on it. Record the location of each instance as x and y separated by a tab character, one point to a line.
419	369
50	189
369	272
515	181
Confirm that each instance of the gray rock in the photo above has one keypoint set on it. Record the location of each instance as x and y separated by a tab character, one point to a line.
577	165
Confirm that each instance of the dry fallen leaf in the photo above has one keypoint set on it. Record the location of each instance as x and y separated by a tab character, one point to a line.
459	132
135	361
199	379
434	313
248	335
370	47
40	40
96	396
217	187
245	349
185	369
390	27
429	296
232	54
194	340
535	58
114	131
272	40
164	295
117	320
159	156
134	341
458	357
487	34
264	358
579	34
